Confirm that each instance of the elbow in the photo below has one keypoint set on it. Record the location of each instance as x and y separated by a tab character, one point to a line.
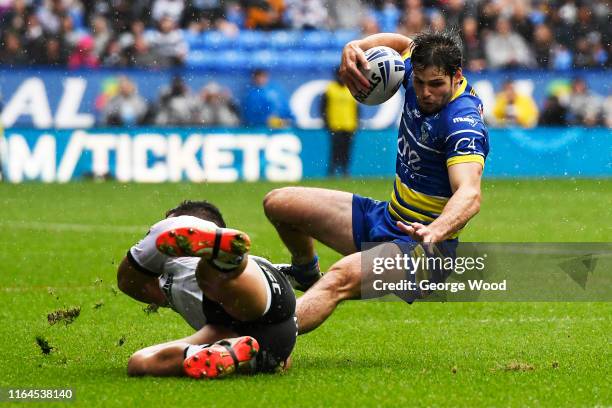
122	281
123	278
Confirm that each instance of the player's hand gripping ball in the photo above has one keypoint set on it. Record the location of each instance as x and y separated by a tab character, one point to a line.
385	75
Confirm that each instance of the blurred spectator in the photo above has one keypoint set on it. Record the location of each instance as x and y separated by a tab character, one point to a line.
387	16
306	14
176	105
553	113
34	40
584	26
340	114
113	55
70	36
128	38
234	14
139	54
127	108
412	23
585	106
101	35
265	103
168	44
172	9
559	34
217	107
562	31
209	10
520	21
543	46
369	26
514	109
473	55
505	48
12	51
264	14
607	110
562	58
455	11
437	22
83	55
345	13
55	52
49	15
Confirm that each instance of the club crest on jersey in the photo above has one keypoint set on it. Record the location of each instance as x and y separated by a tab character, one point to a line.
425	130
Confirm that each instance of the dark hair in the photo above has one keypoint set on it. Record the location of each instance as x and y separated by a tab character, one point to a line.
440	49
200	209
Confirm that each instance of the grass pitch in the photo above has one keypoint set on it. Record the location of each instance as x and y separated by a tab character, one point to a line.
61	245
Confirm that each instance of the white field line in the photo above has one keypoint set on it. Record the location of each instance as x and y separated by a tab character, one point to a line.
69	227
510	320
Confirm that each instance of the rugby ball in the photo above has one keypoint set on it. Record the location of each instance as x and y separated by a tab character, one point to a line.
385	75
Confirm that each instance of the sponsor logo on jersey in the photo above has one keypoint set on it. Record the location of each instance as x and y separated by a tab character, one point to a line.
467	119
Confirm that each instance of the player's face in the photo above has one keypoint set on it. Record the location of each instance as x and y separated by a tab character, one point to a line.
433	88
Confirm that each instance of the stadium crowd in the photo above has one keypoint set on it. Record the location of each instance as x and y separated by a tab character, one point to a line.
265	104
497	34
557	34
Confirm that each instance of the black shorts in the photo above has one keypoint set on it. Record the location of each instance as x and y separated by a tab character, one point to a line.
275	331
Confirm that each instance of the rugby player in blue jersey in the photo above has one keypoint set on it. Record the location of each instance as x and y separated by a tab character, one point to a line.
442	146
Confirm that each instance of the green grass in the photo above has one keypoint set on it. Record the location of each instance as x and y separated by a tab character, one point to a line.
61	245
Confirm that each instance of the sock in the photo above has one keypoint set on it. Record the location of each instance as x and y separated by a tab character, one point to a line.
226	265
308	273
193	349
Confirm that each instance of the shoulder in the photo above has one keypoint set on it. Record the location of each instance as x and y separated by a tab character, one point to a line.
465	108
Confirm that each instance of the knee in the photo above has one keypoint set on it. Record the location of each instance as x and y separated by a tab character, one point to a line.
276	202
137	365
342	282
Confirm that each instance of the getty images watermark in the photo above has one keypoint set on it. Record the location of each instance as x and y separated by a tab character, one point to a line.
454	271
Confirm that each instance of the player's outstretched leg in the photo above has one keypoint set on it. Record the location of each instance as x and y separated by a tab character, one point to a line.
225	247
222	358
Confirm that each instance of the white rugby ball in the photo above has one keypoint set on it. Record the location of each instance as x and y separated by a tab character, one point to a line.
385	75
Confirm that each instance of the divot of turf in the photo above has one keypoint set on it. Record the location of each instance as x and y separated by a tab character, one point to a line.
518	366
151	308
45	348
67	316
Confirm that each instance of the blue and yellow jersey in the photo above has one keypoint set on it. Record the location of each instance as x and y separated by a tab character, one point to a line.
428	145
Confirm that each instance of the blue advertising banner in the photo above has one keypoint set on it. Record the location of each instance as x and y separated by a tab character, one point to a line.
227	155
74	99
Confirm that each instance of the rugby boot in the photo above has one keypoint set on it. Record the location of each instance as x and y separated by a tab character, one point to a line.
223	358
225	247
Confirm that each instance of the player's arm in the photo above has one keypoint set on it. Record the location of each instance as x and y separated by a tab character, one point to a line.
353	57
460	208
139	285
139	272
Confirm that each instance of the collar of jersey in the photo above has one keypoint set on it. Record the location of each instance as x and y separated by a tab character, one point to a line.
460	90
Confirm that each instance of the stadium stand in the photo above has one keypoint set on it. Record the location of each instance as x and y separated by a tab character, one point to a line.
550	34
307	35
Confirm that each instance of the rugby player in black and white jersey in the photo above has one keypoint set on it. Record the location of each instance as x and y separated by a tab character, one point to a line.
241	306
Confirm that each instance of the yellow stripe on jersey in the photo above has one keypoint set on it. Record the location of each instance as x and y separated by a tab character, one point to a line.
398	217
461	88
468	158
418	200
407	54
404	214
